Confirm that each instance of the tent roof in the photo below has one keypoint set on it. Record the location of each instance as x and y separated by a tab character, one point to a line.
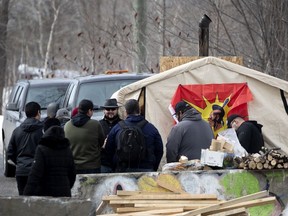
267	107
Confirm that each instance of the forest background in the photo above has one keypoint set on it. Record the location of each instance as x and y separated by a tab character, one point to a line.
93	36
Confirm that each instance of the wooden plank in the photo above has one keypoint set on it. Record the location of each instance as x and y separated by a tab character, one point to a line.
168	186
162	197
224	204
159	212
151	212
247	204
129	193
133	209
129	201
233	212
175	205
168	62
101	206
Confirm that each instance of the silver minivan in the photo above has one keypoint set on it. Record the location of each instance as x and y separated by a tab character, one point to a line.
42	91
97	88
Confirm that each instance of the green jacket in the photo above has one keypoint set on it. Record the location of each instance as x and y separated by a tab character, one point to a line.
86	138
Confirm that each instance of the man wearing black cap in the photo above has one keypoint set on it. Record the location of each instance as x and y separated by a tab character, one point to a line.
248	132
86	138
110	119
189	136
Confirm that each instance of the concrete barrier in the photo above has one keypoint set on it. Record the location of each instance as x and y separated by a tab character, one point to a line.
89	189
226	184
44	206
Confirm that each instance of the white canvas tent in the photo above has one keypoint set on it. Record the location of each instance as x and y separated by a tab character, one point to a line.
267	107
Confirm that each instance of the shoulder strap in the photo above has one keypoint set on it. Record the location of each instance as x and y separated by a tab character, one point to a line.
139	124
122	123
142	123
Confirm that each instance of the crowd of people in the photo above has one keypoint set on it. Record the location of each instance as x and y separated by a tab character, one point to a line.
48	154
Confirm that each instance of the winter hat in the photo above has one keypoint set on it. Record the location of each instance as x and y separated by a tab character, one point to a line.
55	131
231	118
49	122
74	112
63	113
52	109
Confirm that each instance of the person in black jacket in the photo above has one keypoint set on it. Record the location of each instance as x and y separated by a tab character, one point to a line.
110	119
153	143
53	172
23	143
248	132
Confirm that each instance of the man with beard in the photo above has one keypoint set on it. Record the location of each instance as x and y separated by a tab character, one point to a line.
110	119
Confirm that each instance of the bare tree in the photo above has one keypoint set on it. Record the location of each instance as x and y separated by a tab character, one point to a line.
3	55
93	36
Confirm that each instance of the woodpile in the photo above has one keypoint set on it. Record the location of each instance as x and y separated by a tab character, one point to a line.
128	203
265	159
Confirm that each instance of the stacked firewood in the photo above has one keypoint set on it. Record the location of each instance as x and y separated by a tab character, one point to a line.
265	159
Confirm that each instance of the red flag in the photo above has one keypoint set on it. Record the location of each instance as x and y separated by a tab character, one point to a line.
232	97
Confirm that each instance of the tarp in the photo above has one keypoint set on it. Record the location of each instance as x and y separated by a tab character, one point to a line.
268	106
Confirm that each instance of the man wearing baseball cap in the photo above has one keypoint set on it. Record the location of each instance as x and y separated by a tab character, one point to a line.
189	136
248	132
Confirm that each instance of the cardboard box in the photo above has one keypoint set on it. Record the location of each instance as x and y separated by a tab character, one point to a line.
212	158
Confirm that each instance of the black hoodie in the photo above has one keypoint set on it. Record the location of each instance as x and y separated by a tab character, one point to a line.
23	143
53	171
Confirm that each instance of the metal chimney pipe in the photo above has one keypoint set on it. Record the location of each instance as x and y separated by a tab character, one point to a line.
204	35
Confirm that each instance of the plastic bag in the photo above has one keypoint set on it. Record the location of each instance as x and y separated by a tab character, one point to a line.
230	136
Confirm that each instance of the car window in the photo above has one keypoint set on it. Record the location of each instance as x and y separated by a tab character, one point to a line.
98	92
17	94
70	97
45	95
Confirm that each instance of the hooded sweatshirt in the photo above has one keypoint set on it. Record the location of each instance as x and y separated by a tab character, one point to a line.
23	143
188	137
53	172
86	138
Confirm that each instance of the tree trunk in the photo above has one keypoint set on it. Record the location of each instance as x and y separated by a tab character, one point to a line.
3	56
49	44
140	36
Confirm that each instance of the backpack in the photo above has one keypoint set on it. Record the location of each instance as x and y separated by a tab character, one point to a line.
131	147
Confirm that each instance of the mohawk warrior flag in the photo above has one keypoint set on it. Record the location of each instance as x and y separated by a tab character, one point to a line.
215	101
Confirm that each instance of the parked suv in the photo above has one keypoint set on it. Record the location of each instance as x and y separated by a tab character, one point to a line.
42	91
97	88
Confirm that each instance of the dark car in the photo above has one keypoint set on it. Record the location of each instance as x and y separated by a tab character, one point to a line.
42	91
97	88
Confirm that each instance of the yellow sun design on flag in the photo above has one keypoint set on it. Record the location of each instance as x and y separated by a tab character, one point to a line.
208	109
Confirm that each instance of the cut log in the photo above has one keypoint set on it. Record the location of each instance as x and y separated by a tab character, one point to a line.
252	165
269	157
273	162
259	166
